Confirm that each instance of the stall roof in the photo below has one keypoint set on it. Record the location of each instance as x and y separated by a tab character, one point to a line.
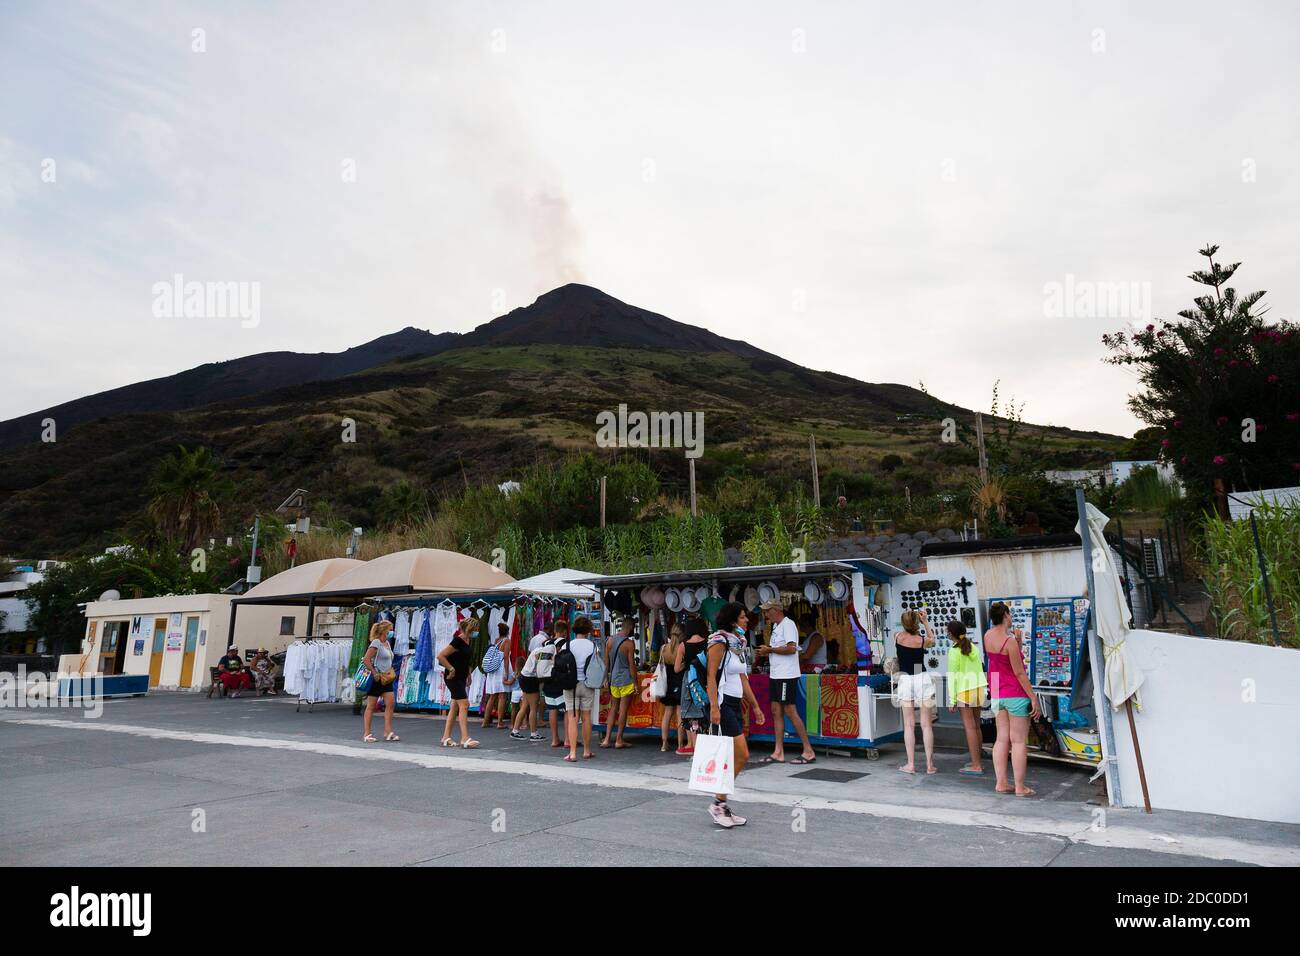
419	570
872	567
298	585
562	582
1036	542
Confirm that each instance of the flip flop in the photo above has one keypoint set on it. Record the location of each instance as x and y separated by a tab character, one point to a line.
448	742
622	746
469	744
768	759
971	773
1027	793
800	760
587	756
905	770
570	758
391	736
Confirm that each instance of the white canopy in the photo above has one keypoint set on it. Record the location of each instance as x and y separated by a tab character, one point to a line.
427	570
555	583
1110	615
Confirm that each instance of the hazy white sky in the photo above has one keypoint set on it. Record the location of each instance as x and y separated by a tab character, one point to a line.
878	189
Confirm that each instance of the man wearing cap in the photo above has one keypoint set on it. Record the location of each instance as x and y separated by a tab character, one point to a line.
231	673
782	651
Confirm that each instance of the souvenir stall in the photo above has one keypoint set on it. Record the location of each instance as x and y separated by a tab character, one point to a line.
844	703
423	625
1041	579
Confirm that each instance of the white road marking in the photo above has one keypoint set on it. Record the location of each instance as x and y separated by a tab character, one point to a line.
1076	831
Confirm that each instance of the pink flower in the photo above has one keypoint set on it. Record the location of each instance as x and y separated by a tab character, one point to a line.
1273	378
1178	423
1219	459
1183	459
1160	335
1164	442
1151	328
1293	416
1219	352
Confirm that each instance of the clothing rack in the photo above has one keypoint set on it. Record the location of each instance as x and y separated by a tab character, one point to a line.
344	645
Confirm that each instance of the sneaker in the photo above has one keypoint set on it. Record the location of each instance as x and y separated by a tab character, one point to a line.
721	815
685	751
737	820
537	735
517	735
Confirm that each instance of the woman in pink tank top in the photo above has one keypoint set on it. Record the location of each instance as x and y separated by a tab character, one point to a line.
1012	700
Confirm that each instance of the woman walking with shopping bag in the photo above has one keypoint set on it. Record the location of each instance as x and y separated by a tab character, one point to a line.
728	686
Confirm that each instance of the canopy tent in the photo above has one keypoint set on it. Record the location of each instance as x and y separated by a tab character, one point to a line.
791	573
562	582
298	585
420	570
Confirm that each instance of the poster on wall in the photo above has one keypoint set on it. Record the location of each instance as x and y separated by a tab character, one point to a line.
139	648
175	639
1053	644
1022	618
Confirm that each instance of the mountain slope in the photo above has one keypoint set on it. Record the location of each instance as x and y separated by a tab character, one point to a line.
571	314
220	381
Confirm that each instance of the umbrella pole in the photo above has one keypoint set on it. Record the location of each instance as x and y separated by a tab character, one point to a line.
1137	752
1096	659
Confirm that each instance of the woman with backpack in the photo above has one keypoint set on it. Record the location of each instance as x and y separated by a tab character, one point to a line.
552	692
498	678
455	658
694	697
581	698
728	686
620	668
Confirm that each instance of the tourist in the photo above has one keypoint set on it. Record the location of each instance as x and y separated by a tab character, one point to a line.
497	682
691	713
262	668
672	698
914	690
966	684
782	652
579	701
530	686
383	679
454	659
620	670
231	672
553	694
728	686
1012	700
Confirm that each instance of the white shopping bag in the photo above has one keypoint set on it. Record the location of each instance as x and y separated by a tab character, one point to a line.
713	769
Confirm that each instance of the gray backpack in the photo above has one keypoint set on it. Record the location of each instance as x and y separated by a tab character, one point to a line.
595	675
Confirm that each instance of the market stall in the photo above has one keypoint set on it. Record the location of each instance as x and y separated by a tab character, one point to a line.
845	703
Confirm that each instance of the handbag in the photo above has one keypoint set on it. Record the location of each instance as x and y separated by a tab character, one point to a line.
659	686
492	659
713	768
362	680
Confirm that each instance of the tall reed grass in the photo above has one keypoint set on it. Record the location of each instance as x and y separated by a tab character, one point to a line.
1235	584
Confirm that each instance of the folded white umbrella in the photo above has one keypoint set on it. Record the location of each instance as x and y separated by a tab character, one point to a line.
1110	616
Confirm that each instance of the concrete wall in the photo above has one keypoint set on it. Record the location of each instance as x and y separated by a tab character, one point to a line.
255	626
1217	727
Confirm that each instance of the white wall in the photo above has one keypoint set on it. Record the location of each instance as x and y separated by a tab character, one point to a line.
1217	727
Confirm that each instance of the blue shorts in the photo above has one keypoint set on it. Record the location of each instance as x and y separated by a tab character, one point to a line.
733	724
1015	706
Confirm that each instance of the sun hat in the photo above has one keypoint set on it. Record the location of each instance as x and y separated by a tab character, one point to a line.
652	597
751	597
690	599
838	589
813	592
767	591
673	599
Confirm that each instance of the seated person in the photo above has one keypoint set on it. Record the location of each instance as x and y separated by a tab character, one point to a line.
812	659
262	668
231	672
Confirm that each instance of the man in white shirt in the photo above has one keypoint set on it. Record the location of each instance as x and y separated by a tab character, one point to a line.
782	652
579	701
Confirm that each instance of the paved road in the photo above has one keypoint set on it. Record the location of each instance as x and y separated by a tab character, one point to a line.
272	786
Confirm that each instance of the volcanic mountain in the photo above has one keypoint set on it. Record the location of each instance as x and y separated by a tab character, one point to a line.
442	410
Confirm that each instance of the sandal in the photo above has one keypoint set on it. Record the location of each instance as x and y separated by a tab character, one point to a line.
768	759
368	738
801	760
469	744
587	756
391	736
448	742
570	758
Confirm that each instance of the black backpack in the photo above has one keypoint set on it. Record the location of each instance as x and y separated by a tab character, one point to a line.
564	672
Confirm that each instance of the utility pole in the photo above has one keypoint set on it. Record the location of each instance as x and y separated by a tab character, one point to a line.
817	488
691	465
984	458
602	501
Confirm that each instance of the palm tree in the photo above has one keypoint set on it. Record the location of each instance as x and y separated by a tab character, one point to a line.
185	490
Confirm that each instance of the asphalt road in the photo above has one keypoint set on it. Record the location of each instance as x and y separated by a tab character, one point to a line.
177	779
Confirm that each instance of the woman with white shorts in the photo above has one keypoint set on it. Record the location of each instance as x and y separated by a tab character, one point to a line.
915	690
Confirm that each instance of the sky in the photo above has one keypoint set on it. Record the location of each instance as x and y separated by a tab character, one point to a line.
943	193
